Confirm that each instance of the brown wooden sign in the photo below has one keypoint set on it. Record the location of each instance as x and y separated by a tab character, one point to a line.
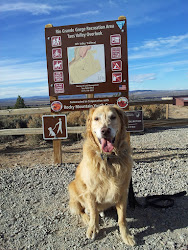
135	121
87	58
84	104
54	127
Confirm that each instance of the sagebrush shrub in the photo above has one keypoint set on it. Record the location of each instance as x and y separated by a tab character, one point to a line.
151	112
34	122
154	112
77	118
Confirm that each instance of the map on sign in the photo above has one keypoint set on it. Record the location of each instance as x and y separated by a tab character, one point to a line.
86	64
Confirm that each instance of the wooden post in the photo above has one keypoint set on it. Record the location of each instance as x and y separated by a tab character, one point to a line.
167	111
128	133
56	143
57	152
131	196
121	18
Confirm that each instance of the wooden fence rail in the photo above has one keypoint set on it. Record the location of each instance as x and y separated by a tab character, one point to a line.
81	129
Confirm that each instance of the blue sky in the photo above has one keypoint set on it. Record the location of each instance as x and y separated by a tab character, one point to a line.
157	41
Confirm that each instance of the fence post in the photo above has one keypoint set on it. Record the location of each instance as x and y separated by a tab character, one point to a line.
167	111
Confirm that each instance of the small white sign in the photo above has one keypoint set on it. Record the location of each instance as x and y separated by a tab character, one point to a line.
54	127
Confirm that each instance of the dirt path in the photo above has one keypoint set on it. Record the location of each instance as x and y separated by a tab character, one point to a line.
21	153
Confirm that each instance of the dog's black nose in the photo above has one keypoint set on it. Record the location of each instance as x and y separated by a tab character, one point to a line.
105	131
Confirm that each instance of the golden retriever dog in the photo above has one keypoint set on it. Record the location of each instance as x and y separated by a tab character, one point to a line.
103	176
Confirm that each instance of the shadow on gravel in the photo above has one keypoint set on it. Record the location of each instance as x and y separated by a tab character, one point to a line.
161	158
168	153
105	231
151	150
13	149
149	221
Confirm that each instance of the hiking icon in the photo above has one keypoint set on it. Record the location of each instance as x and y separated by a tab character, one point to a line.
54	127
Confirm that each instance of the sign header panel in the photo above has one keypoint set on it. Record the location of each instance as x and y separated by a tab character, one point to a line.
85	104
83	58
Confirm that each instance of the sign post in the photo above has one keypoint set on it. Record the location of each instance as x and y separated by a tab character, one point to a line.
89	60
57	152
121	18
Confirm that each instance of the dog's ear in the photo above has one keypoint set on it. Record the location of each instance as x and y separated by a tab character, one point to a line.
88	122
122	115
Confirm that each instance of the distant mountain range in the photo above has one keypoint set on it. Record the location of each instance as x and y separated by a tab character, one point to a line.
156	94
133	95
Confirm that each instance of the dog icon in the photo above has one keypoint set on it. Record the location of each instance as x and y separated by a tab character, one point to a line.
51	132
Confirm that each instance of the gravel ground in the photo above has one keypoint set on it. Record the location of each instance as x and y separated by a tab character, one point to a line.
34	201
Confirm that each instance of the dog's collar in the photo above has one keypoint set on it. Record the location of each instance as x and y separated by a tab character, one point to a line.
113	155
108	156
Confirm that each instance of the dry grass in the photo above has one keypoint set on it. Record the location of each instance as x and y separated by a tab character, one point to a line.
77	118
34	122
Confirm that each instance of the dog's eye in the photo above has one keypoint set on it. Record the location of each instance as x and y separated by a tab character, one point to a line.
113	117
96	118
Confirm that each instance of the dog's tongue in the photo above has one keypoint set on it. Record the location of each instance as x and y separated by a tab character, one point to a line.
106	145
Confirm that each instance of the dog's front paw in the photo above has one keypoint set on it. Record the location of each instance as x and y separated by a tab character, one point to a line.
128	239
126	236
92	231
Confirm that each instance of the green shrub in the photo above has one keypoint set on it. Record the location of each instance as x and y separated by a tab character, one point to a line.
6	138
10	122
1	124
19	103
